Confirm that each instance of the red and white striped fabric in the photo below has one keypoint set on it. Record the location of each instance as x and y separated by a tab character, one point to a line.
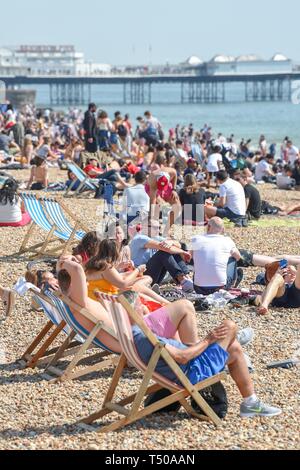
123	329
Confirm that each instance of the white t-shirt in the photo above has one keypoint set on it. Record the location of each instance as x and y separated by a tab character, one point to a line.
154	122
182	154
10	213
135	200
293	154
212	164
261	170
235	196
211	255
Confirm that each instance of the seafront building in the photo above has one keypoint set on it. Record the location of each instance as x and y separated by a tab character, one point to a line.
47	60
65	60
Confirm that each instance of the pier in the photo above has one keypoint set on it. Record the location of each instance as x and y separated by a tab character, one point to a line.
70	90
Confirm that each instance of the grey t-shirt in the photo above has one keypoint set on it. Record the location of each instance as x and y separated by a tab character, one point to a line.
5	140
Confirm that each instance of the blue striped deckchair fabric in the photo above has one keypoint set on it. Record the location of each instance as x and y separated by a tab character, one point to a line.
82	177
51	312
38	216
56	214
66	314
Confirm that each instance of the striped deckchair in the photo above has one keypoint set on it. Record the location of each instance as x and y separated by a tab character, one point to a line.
104	359
122	312
39	352
56	214
86	183
56	230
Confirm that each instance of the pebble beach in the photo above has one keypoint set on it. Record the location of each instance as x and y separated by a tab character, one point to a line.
38	415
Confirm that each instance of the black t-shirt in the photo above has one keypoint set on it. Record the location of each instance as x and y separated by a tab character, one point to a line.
192	199
254	208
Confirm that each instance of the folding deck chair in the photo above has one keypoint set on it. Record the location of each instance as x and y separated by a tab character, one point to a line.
86	183
92	185
77	342
55	209
57	231
101	360
122	311
39	352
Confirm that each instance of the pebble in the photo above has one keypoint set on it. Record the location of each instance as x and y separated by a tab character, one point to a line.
36	415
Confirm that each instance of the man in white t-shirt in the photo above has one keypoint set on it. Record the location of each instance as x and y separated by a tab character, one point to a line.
232	202
135	199
292	152
214	162
215	260
263	170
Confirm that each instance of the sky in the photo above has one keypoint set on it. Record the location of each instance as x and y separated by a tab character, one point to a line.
155	31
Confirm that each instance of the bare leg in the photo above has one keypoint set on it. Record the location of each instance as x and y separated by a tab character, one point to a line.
122	182
183	316
262	261
289	210
1	292
239	371
275	289
174	215
210	211
236	364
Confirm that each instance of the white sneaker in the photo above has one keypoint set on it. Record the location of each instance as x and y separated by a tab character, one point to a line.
259	409
187	286
245	336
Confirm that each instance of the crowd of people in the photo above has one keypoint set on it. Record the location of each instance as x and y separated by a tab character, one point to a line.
203	180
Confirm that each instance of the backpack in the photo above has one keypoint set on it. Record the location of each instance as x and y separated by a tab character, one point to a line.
216	398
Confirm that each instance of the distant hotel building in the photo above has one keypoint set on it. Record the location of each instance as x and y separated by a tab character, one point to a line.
47	60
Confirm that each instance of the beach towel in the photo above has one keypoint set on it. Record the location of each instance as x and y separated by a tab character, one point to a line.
269	223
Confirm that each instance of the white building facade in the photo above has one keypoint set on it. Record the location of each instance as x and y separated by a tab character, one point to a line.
47	60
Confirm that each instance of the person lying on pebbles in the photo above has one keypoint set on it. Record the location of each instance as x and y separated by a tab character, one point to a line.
283	291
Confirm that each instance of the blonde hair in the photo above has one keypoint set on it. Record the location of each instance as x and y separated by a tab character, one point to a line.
190	184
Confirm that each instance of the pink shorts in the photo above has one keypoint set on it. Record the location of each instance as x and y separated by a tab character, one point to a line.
24	221
160	324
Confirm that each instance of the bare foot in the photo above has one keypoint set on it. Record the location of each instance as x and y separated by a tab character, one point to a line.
262	310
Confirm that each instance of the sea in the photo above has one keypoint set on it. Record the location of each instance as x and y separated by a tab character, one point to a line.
248	120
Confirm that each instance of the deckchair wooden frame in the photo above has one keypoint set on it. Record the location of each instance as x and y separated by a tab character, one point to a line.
41	249
38	353
134	413
49	358
103	359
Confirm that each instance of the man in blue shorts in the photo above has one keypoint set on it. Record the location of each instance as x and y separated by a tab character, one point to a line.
206	359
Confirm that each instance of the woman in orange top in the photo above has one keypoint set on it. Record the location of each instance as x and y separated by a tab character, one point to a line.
102	275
